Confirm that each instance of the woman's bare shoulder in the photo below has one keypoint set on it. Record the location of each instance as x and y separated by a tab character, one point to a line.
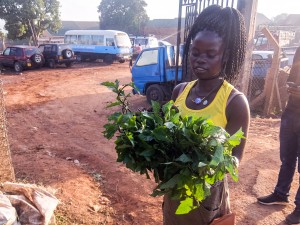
177	90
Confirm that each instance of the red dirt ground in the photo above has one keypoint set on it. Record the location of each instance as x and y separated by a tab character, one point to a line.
55	123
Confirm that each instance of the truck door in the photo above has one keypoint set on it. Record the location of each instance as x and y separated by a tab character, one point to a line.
148	68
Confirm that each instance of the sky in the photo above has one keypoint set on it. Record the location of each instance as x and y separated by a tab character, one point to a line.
86	10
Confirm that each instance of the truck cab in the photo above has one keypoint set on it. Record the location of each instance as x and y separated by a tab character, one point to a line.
154	73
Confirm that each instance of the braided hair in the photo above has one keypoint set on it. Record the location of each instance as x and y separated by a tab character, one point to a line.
229	24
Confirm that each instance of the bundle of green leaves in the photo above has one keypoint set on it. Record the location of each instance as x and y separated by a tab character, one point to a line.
186	155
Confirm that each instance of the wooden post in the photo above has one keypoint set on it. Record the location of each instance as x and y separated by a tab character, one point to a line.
249	9
272	74
6	167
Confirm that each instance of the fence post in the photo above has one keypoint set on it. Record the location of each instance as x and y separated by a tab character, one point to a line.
249	9
271	78
6	167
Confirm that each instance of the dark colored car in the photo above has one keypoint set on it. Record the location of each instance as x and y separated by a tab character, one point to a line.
261	63
21	57
57	54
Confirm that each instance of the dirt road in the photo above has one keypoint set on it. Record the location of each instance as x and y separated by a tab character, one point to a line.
55	123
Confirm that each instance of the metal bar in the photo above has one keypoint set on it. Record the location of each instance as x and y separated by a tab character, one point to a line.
178	40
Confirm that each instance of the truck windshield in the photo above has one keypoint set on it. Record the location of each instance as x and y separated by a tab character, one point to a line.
148	58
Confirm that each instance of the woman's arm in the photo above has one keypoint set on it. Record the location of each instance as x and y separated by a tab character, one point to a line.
177	90
238	116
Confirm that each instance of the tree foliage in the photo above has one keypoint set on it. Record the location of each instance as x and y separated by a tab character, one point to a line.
126	15
279	19
29	18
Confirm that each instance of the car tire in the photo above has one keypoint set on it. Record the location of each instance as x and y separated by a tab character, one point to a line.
108	59
67	53
155	93
18	67
37	59
52	64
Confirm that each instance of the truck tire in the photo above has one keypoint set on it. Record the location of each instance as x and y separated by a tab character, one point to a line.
37	59
155	93
108	59
18	67
67	53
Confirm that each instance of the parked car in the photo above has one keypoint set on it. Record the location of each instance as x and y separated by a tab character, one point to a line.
21	57
261	63
57	54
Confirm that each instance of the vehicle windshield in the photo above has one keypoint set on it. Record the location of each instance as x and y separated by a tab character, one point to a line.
122	40
30	51
141	41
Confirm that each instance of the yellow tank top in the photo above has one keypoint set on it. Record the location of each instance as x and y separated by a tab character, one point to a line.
215	111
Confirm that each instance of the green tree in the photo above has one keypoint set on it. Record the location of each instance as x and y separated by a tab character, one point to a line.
28	19
278	20
126	15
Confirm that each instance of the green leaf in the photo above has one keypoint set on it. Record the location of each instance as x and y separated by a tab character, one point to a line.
185	206
235	139
113	104
171	183
184	158
148	152
218	156
155	107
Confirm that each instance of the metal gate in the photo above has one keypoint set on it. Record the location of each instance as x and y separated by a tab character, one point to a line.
192	9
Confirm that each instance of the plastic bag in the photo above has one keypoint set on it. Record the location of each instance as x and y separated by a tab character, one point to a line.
8	214
33	203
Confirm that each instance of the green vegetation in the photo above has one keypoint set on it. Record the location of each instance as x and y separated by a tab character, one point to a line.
28	19
126	15
186	155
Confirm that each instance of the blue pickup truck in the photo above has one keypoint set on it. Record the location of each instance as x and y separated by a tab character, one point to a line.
154	73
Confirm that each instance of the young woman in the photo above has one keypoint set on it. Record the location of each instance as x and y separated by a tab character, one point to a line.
215	49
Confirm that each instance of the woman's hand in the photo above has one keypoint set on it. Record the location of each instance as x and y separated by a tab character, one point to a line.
293	89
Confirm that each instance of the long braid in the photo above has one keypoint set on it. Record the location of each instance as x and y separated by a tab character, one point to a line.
228	23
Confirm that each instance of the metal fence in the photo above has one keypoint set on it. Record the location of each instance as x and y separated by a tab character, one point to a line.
267	92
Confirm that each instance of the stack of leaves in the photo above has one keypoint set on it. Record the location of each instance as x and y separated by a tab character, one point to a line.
186	155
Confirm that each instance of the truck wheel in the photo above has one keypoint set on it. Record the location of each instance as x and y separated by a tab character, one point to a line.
108	59
155	93
67	53
37	59
18	67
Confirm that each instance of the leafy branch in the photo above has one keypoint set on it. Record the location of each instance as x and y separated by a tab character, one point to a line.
186	155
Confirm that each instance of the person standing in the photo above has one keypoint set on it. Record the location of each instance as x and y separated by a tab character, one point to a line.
289	146
215	49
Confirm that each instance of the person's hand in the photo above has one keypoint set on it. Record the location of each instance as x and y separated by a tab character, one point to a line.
293	89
